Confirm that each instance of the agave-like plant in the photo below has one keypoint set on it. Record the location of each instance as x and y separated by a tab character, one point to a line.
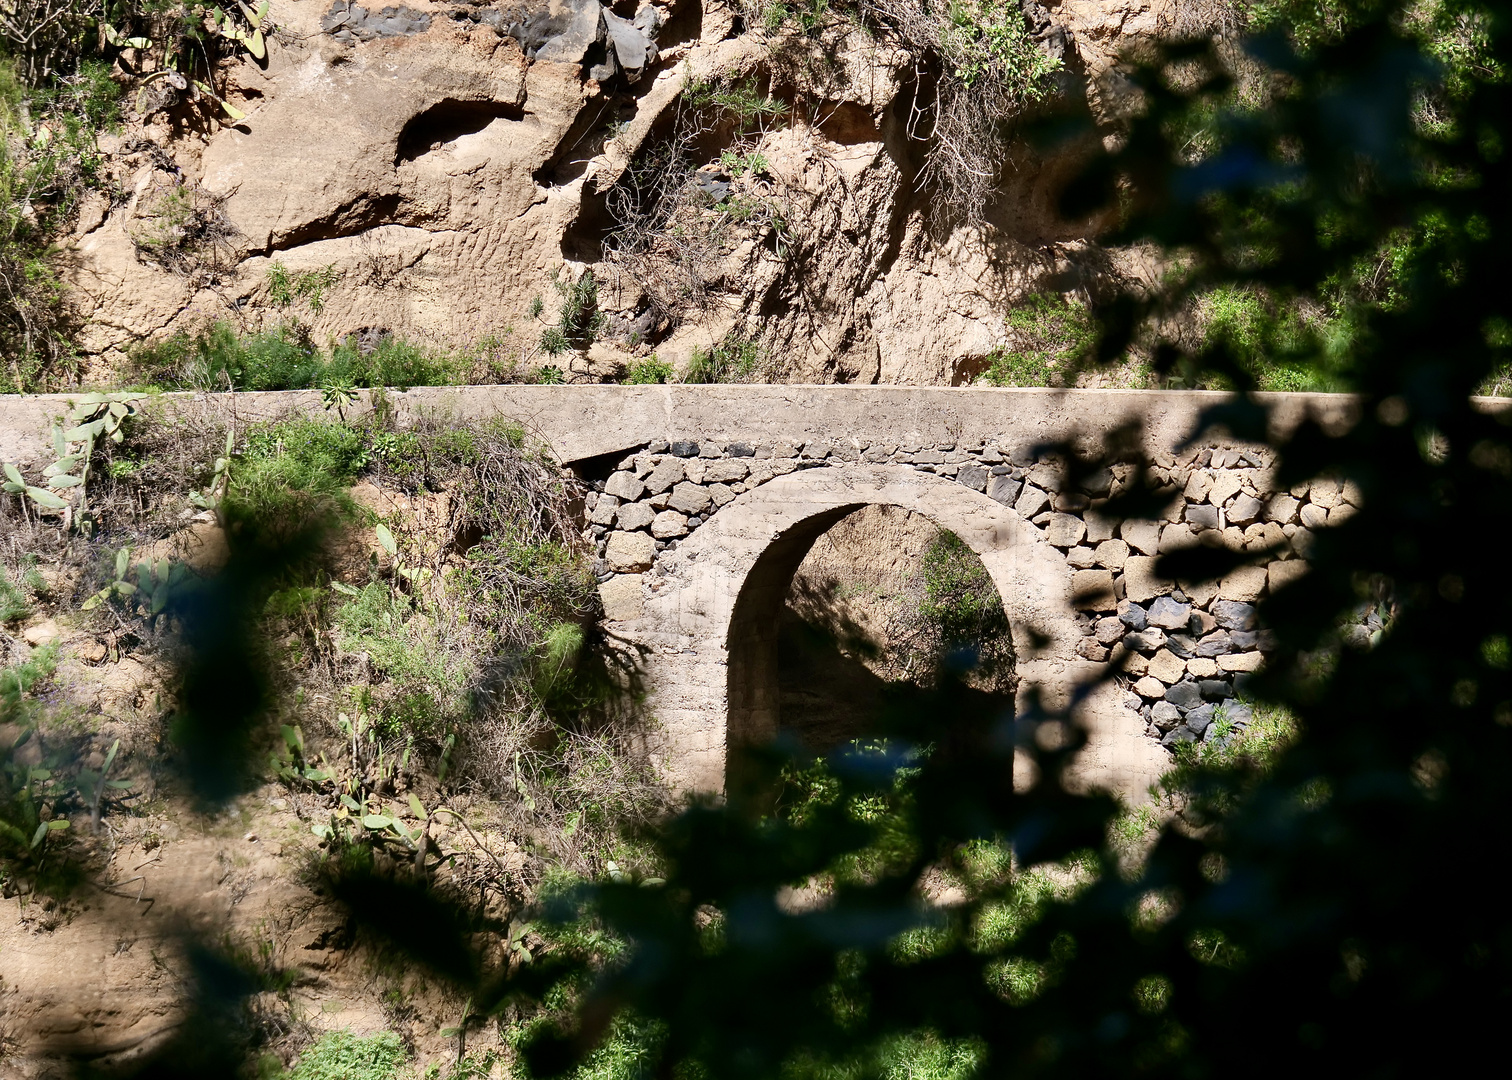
241	23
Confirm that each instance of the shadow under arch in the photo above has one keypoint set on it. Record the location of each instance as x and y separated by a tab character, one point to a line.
752	700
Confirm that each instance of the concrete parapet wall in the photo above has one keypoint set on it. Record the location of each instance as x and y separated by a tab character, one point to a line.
588	421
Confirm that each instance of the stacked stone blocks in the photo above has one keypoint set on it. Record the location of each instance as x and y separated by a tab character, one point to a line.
1185	648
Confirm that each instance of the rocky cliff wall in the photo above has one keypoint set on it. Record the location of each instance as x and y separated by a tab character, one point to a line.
443	163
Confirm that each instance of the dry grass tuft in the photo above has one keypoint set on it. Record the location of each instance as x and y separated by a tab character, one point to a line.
679	213
451	656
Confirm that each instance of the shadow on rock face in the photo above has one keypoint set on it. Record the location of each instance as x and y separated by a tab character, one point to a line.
447	121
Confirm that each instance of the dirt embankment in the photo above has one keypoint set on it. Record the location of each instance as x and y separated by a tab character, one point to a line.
405	675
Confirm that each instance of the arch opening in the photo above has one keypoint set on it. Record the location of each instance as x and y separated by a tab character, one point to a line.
852	616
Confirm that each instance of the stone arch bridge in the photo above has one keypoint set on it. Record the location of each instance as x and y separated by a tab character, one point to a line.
703	500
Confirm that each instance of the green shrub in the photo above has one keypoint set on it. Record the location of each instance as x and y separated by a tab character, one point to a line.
739	99
648	371
733	360
301	602
987	68
979	867
808	15
809	791
392	362
24	786
424	679
920	1055
581	319
183	228
626	1054
1272	342
221	357
579	322
962	611
49	159
1499	384
547	580
310	455
293	476
990	40
926	1056
1453	33
1053	335
19	681
1256	747
341	1055
431	455
507	620
15	604
738	164
277	360
307	285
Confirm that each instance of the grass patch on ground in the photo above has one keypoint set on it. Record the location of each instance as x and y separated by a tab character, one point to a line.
915	1055
16	595
292	477
341	1055
1208	776
648	372
220	356
422	668
1254	747
1499	384
735	359
1052	336
1277	346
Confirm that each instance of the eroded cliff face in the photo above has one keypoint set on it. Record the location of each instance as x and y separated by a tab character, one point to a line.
447	162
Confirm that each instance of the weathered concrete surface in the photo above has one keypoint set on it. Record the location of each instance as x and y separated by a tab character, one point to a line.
585	421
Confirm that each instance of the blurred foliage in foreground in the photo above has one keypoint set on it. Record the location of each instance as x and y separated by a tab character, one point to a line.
1335	906
1305	893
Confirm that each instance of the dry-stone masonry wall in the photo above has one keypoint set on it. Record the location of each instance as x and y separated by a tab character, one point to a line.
1188	646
